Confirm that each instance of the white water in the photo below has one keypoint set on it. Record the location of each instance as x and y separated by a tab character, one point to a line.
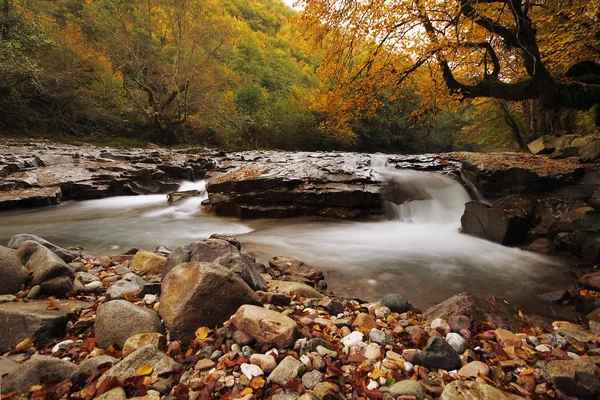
419	251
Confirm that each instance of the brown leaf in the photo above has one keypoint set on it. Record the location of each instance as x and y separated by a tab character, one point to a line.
107	384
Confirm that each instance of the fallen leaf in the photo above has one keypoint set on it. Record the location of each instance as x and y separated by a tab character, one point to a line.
245	392
202	332
52	306
144	370
257	382
24	345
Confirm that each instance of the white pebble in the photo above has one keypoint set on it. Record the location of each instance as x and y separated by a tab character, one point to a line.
62	345
408	366
372	282
150	299
372	385
251	370
351	340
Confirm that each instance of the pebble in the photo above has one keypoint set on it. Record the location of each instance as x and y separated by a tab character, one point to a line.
311	379
251	370
351	340
324	352
407	387
441	326
204	364
543	348
458	343
380	337
266	362
34	293
474	369
373	352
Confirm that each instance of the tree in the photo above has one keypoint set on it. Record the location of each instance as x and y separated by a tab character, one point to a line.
511	50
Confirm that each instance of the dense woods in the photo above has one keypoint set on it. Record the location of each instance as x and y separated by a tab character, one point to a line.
369	76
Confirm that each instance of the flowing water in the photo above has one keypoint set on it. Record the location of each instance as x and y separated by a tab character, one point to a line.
417	251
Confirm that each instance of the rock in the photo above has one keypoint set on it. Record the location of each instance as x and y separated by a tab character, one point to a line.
591	280
114	394
542	145
474	369
266	362
553	296
7	298
476	307
35	372
35	321
85	277
251	370
473	390
46	266
91	365
201	294
147	355
441	326
507	338
118	320
365	321
142	339
130	284
506	221
380	337
579	377
219	252
333	307
458	343
13	273
204	364
409	388
541	245
395	302
297	288
66	255
594	201
145	262
326	391
232	241
286	370
266	326
311	379
34	293
7	366
289	266
439	354
590	151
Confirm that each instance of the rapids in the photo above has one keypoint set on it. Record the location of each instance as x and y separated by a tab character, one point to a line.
417	250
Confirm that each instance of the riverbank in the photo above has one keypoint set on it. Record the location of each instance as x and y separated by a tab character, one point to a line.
143	325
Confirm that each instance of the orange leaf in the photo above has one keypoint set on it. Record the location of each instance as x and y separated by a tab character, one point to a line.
144	370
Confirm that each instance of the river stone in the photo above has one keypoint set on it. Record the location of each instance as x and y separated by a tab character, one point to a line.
7	366
591	280
542	145
311	379
286	370
147	355
297	288
579	377
90	366
33	320
266	326
474	369
145	262
219	252
473	390
114	394
118	320
129	284
66	255
36	371
594	201
289	266
142	339
201	294
395	302
409	388
477	307
230	239
458	343
439	354
13	273
46	266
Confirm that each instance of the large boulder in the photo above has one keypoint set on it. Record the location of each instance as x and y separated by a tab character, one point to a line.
473	390
13	273
506	221
118	320
591	280
542	145
48	268
201	294
66	255
266	326
36	321
148	355
477	307
221	252
579	377
289	266
36	371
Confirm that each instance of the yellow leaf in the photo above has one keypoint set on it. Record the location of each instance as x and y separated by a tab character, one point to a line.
202	332
245	392
144	370
376	374
24	345
527	371
257	382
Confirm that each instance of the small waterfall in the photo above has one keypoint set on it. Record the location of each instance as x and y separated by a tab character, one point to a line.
421	197
185	208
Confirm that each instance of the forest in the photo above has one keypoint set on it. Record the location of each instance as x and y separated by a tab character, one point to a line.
409	77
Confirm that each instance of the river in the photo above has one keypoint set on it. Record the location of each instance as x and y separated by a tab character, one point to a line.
417	250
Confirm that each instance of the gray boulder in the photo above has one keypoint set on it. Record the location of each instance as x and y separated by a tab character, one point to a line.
395	302
221	252
13	273
147	355
34	321
579	377
130	284
66	255
36	371
8	366
118	320
46	266
201	294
